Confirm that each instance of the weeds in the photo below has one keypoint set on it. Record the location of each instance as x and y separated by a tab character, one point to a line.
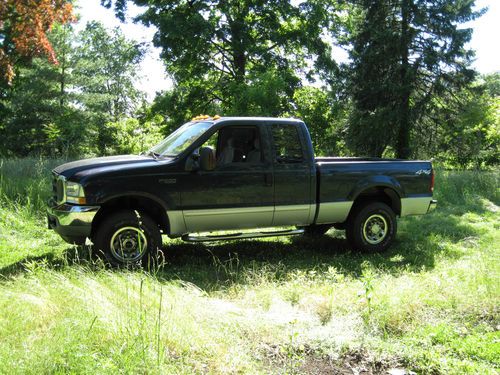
367	279
324	310
293	352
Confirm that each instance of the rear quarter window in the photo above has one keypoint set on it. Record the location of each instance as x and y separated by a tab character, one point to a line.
286	142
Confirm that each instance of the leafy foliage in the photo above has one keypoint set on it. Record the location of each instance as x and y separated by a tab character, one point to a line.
404	53
23	30
73	108
129	136
406	91
38	111
325	119
469	131
241	57
105	72
106	69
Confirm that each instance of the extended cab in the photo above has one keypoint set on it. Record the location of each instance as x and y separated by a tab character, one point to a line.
231	173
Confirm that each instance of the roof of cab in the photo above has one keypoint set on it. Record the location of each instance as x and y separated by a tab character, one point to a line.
217	119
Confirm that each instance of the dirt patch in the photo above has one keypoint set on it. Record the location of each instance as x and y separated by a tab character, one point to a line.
305	360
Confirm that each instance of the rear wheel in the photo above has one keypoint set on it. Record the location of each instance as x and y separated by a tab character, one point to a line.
127	237
372	227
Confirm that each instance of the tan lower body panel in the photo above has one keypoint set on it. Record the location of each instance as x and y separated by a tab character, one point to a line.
415	206
333	212
228	218
190	221
301	214
259	217
177	225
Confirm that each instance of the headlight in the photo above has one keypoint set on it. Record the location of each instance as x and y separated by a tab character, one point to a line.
74	193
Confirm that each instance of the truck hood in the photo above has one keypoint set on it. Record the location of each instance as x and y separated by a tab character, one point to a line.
81	168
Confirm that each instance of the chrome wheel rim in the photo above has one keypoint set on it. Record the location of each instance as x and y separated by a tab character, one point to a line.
375	229
128	244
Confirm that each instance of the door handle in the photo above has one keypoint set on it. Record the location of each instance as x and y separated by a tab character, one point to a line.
268	179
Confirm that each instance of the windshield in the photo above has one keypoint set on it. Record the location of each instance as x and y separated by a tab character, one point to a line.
180	139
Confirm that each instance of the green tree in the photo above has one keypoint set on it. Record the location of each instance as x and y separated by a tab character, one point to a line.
237	57
372	82
130	136
404	53
468	135
105	72
324	117
39	115
65	108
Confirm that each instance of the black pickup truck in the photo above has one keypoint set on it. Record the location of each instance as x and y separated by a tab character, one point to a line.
232	173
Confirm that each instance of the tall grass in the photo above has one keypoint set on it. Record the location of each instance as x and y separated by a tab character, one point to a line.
25	187
108	322
27	181
286	305
467	187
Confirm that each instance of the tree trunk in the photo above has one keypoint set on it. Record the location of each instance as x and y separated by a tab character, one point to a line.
240	105
403	141
62	83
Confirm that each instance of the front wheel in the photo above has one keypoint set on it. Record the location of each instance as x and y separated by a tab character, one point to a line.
127	237
372	228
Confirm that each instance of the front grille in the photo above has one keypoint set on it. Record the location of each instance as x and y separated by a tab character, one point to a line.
58	188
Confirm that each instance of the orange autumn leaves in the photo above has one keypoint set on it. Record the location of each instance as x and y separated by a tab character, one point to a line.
23	30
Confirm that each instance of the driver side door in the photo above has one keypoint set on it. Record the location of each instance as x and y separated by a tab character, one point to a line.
238	193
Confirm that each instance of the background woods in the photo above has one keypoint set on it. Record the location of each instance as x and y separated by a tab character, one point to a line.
406	90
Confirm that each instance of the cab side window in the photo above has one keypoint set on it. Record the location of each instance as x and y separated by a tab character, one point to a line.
287	145
236	144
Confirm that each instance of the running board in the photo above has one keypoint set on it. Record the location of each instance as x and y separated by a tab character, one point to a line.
239	236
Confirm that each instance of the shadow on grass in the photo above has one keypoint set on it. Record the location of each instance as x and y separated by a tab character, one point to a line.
71	256
215	266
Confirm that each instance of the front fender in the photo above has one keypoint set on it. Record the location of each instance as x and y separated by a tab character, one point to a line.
132	193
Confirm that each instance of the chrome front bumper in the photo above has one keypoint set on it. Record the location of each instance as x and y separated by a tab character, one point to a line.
73	223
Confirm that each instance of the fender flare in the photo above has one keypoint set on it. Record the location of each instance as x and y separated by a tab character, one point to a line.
378	181
165	220
389	186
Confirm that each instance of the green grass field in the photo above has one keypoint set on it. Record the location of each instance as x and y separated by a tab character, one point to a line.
282	305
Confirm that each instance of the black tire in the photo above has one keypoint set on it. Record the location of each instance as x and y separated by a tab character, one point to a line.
372	227
127	237
316	230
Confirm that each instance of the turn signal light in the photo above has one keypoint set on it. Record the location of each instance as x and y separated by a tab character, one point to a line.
76	200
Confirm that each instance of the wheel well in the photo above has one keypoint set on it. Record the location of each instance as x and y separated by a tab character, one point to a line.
380	194
155	210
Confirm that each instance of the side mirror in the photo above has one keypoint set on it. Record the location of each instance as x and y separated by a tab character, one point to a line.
192	162
207	159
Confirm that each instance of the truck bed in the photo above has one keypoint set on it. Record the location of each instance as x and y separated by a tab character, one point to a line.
341	180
